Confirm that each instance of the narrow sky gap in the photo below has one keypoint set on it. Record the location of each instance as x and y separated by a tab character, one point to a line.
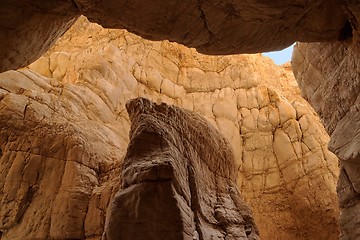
281	57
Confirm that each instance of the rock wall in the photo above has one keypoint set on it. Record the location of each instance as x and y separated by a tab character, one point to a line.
29	28
328	74
68	111
59	160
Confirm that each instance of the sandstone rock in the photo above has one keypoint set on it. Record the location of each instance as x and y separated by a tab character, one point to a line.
223	27
28	28
328	75
254	104
178	180
55	157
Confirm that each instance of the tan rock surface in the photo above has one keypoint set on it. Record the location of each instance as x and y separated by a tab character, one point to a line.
328	75
28	28
284	170
56	159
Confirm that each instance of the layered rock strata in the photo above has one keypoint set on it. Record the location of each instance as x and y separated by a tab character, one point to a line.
78	90
28	28
328	74
178	180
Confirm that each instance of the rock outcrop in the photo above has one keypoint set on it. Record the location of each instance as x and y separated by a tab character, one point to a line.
223	27
328	74
28	28
178	180
64	133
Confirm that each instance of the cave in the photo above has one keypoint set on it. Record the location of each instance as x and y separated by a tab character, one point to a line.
163	120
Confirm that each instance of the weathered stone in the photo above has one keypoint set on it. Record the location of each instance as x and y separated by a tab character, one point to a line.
328	74
223	27
52	158
28	28
178	180
90	77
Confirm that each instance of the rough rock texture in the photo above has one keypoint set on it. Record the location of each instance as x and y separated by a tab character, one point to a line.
328	75
178	180
28	28
57	157
284	170
352	10
223	27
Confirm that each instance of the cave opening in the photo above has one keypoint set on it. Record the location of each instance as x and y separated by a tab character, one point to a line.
282	56
236	108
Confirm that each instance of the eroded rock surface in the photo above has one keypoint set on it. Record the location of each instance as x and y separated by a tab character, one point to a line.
57	159
283	168
223	27
28	28
178	180
328	74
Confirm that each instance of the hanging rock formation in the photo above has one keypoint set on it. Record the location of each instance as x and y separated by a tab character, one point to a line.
64	133
328	74
28	28
223	27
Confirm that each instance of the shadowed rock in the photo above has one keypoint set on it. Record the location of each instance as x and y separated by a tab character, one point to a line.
178	180
29	28
328	74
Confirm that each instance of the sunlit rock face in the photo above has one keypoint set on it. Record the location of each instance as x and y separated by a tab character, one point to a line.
29	28
328	74
65	115
58	158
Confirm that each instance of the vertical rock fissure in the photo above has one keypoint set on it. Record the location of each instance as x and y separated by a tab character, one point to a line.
353	201
195	205
75	4
220	202
203	17
346	32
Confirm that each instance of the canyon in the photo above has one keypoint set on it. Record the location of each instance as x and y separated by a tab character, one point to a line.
212	147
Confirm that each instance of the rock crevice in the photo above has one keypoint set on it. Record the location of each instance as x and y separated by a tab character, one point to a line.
328	75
